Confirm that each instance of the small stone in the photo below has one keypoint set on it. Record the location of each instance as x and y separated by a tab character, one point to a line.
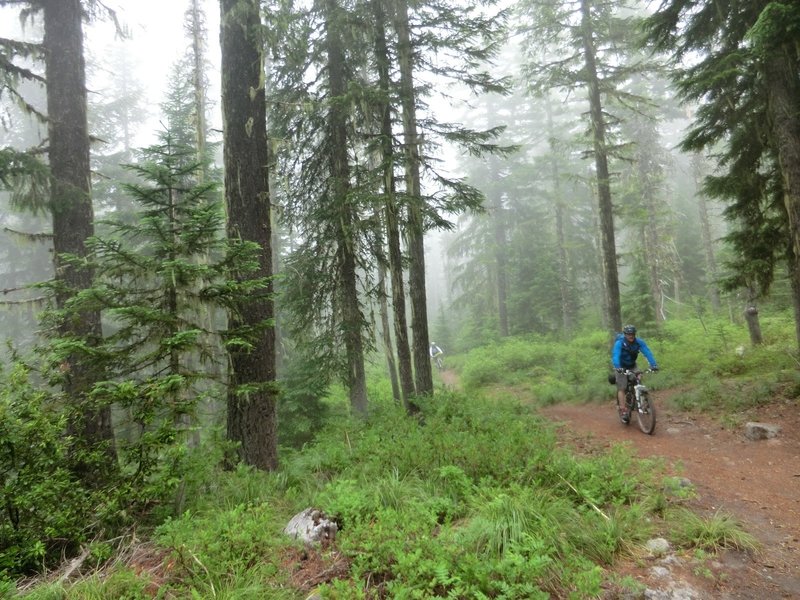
657	546
660	572
760	431
311	526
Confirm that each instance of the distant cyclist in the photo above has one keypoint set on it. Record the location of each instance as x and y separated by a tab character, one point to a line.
437	355
623	356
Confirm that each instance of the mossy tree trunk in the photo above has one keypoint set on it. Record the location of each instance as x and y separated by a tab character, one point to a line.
252	395
73	219
415	227
606	212
783	86
391	218
346	212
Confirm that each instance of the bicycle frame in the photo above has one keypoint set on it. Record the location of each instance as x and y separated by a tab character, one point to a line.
637	398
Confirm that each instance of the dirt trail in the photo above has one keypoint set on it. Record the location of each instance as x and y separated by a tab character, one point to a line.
758	482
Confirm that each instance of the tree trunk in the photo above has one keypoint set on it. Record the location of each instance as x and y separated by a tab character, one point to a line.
252	396
415	233
198	83
500	259
73	217
608	242
352	320
751	317
405	370
386	335
705	232
558	205
783	85
794	280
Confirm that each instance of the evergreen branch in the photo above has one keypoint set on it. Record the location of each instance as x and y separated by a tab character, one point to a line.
33	237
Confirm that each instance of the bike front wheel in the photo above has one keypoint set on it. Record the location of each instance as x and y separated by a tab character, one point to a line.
646	414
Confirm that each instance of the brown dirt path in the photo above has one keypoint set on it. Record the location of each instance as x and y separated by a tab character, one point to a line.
758	482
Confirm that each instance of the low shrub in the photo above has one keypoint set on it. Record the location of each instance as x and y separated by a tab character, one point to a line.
46	509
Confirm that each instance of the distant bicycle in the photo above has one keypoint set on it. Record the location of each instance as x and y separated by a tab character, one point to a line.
637	399
437	354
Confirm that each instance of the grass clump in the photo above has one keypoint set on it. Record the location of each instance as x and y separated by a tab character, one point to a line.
719	531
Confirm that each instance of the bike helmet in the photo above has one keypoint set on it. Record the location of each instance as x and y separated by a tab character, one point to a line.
629	329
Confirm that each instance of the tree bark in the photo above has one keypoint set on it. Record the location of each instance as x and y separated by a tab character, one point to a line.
606	214
73	216
752	320
561	236
500	259
783	86
405	369
415	232
252	396
198	84
705	232
346	223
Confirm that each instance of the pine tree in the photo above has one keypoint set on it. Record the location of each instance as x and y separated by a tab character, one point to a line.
71	206
114	113
153	285
745	65
649	218
536	201
378	155
25	245
605	34
391	218
252	395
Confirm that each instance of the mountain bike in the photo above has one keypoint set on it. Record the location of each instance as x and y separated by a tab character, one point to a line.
439	360
637	399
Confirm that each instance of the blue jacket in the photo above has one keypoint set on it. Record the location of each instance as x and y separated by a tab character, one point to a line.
624	354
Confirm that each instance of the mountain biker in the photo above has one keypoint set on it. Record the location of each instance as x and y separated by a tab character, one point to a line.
436	354
623	356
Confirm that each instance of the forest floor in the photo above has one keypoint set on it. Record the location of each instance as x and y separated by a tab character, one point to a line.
758	482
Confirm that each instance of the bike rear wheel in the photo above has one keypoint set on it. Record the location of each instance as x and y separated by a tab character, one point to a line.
646	414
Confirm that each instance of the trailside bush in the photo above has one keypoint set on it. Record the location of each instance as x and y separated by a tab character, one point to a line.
45	507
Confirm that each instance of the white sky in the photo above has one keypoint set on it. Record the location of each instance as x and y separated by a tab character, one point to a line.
157	41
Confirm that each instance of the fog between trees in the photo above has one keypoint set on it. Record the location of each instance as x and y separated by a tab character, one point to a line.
431	170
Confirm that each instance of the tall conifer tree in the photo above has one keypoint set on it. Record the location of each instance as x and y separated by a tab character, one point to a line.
71	206
605	33
252	396
745	66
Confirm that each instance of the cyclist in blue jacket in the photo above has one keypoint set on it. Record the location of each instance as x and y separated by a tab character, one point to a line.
623	356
